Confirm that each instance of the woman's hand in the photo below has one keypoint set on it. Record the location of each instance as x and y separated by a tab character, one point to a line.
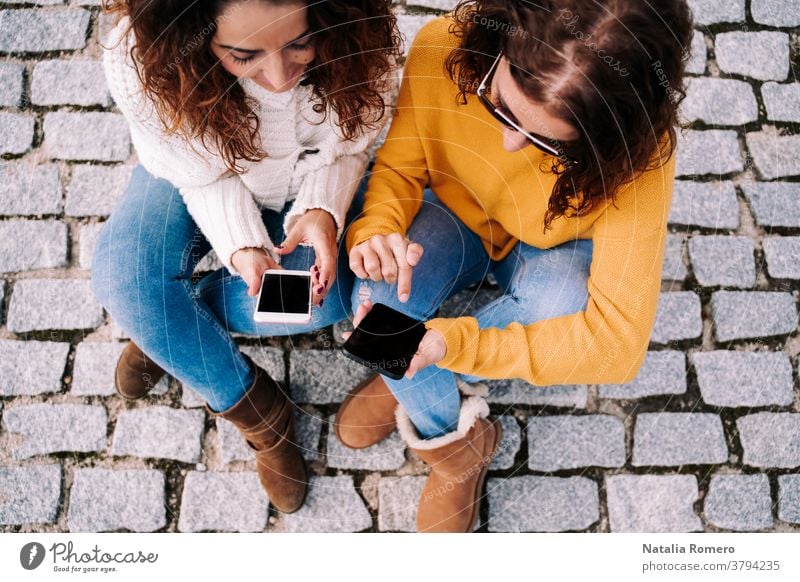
251	264
388	257
318	228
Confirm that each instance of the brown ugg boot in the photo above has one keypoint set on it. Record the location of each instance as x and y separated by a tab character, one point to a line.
136	374
264	415
366	416
450	500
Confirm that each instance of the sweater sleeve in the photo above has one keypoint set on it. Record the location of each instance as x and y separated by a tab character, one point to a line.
608	341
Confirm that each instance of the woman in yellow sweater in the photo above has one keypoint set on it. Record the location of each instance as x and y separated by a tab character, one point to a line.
533	142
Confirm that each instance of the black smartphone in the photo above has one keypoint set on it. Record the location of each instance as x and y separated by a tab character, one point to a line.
385	341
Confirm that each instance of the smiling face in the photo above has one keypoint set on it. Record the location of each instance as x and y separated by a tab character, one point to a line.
268	43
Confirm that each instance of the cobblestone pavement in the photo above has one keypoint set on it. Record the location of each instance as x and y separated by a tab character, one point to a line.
706	438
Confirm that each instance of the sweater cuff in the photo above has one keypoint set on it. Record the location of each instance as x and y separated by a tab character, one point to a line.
459	347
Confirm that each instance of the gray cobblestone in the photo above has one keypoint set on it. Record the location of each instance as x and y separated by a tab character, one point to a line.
10	84
32	244
36	31
387	455
109	500
190	398
86	136
30	494
789	498
53	304
323	376
775	155
761	55
16	132
775	12
698	54
269	359
783	256
759	434
159	432
677	317
711	11
713	151
774	203
652	503
55	428
398	498
723	260
308	429
31	367
95	190
730	378
678	438
662	372
74	82
244	509
542	504
674	268
706	204
409	25
749	314
87	240
569	442
437	4
509	444
719	101
95	363
739	502
29	189
332	505
511	392
782	101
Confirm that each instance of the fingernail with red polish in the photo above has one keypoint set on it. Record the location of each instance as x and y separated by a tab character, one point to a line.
321	301
326	282
319	289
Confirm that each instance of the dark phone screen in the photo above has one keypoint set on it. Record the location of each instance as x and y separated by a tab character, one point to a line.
385	341
284	293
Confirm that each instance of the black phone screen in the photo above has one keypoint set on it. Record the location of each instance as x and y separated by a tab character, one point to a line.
284	293
385	341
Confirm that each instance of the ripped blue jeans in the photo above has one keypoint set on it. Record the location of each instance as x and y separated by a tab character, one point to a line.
536	283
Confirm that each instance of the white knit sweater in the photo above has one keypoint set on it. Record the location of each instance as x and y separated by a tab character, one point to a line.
308	162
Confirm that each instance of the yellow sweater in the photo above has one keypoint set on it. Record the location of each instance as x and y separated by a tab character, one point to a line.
502	197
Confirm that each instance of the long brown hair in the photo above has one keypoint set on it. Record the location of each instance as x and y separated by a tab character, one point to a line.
612	69
195	97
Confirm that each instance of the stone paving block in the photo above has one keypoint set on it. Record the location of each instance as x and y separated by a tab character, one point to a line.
774	203
713	151
87	241
762	55
95	190
30	494
783	256
86	136
789	498
775	155
775	12
729	378
437	4
159	432
509	444
387	455
32	244
719	101
711	11
673	268
29	189
56	428
698	54
652	503
117	499
512	392
53	304
409	25
723	260
398	498
662	372
542	504
323	376
782	101
93	372
739	502
678	438
10	84
269	359
706	204
35	31
332	505
31	367
569	442
749	314
677	317
190	398
759	434
243	503
73	82
16	132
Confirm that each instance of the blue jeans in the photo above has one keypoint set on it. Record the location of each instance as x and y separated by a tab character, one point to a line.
537	284
142	274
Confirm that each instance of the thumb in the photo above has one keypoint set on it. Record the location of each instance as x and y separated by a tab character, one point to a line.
290	242
414	253
253	282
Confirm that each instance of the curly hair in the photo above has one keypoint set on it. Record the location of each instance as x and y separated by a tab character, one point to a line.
195	97
613	70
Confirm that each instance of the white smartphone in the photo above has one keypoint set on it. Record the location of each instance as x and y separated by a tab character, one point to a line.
285	297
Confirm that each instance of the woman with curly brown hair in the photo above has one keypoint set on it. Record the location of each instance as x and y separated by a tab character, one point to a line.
544	133
252	120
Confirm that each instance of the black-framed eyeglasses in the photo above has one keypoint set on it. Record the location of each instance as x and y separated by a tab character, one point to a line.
548	146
